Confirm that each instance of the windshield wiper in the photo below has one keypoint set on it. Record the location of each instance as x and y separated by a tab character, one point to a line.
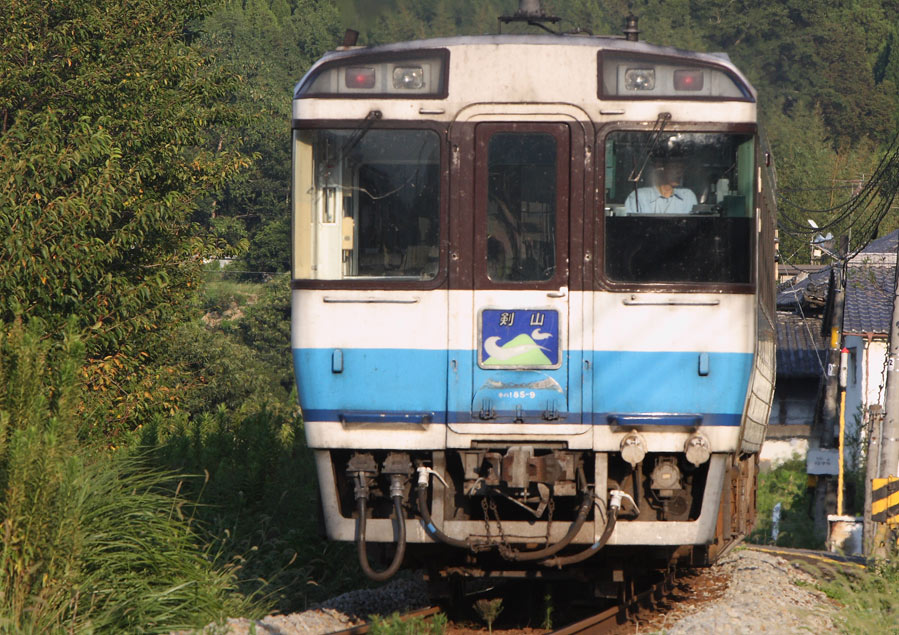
656	134
357	136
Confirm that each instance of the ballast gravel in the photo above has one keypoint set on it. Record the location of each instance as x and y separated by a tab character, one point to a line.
764	594
337	614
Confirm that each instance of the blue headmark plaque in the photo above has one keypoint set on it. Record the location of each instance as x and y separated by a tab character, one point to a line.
519	338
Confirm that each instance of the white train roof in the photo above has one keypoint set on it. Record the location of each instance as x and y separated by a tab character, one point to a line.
537	69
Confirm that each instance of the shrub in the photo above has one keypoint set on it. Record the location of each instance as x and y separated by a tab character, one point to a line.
260	501
786	484
90	540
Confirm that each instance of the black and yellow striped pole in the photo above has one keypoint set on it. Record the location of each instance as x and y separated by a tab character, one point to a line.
885	512
885	500
888	459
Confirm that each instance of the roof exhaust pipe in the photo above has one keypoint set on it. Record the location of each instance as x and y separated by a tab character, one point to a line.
531	12
530	9
631	32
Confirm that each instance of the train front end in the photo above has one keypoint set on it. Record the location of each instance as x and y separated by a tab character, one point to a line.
532	299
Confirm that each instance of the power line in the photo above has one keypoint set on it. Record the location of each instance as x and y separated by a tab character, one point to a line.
863	212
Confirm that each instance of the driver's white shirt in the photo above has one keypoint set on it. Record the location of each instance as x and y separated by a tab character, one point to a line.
652	202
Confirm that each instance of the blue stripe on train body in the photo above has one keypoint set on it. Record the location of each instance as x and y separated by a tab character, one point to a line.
396	382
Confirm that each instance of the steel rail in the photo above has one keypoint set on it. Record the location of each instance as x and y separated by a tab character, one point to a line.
609	619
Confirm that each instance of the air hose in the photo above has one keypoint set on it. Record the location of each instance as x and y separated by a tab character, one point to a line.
616	497
540	554
430	527
509	554
396	493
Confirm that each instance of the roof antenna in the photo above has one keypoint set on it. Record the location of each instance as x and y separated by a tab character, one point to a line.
532	12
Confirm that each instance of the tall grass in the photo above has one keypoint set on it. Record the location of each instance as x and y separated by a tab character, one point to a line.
90	541
261	501
870	602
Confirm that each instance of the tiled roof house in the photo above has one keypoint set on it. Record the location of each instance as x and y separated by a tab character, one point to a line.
801	355
870	283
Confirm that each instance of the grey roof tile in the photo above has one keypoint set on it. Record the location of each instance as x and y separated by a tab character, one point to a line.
801	348
883	245
879	251
805	289
869	299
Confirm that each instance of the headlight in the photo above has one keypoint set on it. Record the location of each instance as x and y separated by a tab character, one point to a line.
640	79
408	77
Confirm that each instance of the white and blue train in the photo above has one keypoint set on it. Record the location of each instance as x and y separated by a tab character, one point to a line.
533	298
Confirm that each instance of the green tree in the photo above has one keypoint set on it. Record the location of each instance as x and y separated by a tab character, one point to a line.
105	119
270	45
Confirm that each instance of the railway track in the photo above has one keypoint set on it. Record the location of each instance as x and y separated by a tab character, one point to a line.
646	605
633	598
631	601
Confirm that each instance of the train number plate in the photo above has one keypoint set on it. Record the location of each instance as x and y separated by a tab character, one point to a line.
519	338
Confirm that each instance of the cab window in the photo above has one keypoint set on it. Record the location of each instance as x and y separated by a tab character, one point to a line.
366	204
678	207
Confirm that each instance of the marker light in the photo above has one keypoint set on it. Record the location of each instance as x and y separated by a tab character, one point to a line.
688	79
421	73
360	77
408	77
643	76
640	79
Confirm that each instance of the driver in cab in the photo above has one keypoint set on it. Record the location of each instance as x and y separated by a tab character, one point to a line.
665	196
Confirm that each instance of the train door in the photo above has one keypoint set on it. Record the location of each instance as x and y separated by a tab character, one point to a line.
516	370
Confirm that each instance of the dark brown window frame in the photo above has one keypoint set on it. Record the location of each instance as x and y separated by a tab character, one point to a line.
565	167
602	282
386	283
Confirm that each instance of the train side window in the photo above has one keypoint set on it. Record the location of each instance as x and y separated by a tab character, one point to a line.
521	207
678	207
366	204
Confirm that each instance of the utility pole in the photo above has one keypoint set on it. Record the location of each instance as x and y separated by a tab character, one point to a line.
872	468
826	495
831	387
887	450
889	442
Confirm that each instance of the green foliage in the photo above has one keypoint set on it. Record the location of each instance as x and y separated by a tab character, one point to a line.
239	425
266	328
260	501
786	484
105	116
89	542
270	45
489	610
868	599
238	356
548	609
394	624
224	294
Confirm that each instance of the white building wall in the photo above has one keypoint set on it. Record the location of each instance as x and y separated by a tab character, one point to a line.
777	451
865	381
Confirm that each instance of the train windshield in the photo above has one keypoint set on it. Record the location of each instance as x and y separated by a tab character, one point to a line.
366	204
678	207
